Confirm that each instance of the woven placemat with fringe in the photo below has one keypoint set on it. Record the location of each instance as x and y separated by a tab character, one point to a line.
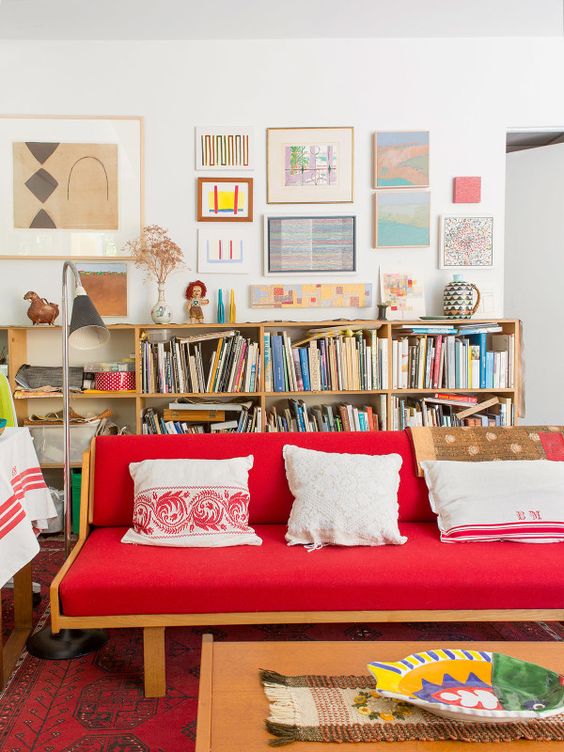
347	709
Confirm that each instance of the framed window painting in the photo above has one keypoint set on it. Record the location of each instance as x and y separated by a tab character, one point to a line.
402	219
72	187
224	148
401	159
310	245
226	250
225	199
310	165
466	242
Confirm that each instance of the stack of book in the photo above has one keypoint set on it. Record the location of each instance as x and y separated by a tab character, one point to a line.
301	418
179	366
467	356
330	360
449	410
190	417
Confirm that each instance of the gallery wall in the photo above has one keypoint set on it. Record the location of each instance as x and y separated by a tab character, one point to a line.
534	271
466	92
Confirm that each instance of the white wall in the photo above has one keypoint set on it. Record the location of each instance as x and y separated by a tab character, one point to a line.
534	272
466	92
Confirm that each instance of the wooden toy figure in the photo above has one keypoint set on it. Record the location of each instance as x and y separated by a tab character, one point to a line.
195	297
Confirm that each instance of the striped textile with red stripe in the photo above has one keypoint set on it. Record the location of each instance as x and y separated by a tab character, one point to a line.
519	531
11	510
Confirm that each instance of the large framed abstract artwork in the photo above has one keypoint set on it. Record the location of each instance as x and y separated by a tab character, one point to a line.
402	219
224	148
71	187
466	242
225	199
226	250
316	245
401	159
354	295
310	165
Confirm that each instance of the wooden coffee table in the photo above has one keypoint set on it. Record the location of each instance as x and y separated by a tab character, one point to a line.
232	705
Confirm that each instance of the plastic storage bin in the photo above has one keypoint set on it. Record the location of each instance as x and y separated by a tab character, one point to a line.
48	441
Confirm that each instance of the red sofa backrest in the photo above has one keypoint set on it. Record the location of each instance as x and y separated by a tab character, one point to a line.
271	499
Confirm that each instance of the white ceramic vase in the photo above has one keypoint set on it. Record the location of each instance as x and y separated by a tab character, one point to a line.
160	312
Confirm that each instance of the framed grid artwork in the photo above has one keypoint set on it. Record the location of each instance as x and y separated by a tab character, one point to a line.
310	165
466	242
310	245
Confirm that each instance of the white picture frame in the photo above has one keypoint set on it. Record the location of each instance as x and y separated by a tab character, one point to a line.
225	147
62	242
462	246
224	249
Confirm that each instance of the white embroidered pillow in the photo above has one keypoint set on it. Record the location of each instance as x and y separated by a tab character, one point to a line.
342	499
519	500
191	503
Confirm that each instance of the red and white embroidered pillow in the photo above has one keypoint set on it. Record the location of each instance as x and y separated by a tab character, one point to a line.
503	500
194	503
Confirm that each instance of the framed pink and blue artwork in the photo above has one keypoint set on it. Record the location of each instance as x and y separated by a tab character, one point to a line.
225	250
401	159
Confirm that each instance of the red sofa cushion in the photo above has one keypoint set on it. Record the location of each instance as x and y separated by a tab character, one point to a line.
271	499
109	577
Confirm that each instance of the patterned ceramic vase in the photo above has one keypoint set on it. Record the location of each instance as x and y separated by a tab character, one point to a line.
160	312
458	300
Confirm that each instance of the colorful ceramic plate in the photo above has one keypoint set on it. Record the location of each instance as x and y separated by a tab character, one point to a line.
472	685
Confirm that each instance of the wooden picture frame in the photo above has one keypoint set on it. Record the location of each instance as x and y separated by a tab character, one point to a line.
47	211
401	160
310	165
216	205
296	244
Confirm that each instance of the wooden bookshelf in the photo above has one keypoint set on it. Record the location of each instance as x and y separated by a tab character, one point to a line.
42	346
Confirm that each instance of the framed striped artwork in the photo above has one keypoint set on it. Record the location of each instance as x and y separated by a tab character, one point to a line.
225	199
310	244
225	148
223	249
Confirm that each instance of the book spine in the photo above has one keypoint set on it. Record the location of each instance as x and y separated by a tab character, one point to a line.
277	363
267	363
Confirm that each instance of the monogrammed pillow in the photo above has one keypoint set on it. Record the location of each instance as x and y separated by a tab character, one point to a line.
201	503
519	501
342	499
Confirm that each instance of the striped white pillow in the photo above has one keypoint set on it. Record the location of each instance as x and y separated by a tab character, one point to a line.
502	500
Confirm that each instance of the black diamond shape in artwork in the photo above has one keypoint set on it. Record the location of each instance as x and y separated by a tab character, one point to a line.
42	221
41	150
41	184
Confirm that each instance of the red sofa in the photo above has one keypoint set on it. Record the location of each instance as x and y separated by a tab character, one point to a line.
105	583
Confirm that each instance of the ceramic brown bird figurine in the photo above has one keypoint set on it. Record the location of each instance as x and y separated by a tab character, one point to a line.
40	310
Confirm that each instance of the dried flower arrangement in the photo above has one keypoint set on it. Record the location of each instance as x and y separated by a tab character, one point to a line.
155	252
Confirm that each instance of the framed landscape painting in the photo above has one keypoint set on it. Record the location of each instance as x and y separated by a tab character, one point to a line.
310	165
466	242
71	187
302	245
401	159
224	148
402	219
225	250
225	199
106	286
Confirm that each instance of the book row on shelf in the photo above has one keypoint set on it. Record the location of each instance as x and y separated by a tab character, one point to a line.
332	361
451	411
434	359
179	364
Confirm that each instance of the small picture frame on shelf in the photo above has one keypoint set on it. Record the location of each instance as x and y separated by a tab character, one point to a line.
225	199
310	244
466	242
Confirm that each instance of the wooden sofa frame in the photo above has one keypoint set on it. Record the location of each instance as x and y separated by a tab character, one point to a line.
154	625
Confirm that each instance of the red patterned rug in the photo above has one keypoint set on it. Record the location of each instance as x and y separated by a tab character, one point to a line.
96	703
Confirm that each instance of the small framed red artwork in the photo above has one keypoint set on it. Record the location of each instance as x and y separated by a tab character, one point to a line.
467	190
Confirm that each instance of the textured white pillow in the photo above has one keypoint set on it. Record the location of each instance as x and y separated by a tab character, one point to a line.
191	503
502	500
342	499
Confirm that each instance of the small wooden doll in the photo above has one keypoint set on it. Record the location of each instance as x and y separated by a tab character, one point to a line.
196	298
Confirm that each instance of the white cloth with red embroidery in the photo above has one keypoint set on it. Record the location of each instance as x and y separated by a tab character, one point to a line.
25	501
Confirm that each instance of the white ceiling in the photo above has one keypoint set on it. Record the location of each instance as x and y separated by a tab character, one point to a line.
277	19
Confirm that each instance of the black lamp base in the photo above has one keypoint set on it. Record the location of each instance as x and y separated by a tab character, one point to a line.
66	644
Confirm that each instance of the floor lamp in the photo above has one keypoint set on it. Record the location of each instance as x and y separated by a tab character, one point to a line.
86	332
